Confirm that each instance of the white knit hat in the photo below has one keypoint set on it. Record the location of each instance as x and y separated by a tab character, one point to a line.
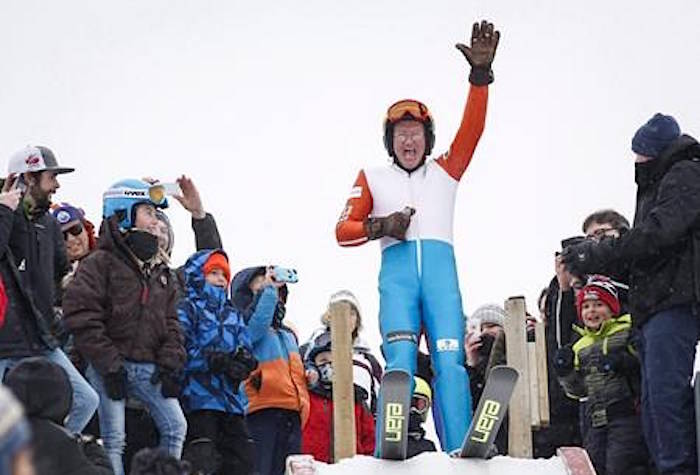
490	313
343	296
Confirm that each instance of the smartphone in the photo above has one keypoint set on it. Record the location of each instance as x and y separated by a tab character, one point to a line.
282	274
20	184
171	189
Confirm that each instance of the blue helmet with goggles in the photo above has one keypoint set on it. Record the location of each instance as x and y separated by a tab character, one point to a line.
123	196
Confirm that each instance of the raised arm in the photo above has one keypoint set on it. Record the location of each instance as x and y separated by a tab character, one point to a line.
480	55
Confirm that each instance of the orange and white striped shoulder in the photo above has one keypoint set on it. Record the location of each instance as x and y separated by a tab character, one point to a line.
350	229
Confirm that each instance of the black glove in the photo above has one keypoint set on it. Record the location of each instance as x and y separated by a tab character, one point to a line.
218	361
94	452
170	385
241	365
115	384
480	55
564	361
577	258
395	225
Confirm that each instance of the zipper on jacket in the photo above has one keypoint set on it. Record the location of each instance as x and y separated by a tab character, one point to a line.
413	205
280	336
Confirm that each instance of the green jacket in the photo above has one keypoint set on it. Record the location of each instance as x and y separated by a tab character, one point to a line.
597	382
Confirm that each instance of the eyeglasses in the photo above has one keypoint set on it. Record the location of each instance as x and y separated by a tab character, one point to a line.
74	230
601	232
414	109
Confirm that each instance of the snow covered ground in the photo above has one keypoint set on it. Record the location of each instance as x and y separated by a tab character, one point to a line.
437	463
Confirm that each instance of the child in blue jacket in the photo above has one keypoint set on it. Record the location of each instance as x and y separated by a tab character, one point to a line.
219	358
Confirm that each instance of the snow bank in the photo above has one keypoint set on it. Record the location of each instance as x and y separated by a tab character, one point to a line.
438	463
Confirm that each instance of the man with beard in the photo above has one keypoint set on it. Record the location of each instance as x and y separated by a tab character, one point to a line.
32	263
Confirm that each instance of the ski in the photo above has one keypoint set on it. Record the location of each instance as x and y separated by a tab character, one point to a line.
490	412
396	405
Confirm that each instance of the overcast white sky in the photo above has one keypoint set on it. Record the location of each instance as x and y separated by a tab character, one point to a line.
273	107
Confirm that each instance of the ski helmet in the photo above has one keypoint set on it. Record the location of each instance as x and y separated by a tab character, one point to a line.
422	398
408	109
122	197
319	344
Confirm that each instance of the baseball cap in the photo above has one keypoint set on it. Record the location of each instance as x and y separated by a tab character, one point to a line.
35	159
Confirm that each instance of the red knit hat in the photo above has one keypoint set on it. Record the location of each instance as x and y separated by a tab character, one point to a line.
600	288
217	260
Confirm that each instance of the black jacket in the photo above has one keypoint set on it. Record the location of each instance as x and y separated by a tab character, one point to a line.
660	249
32	263
559	331
45	392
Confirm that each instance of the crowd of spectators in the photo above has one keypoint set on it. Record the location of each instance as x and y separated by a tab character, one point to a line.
114	361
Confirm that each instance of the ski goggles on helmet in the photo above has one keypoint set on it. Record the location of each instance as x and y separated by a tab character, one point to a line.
408	107
420	404
157	194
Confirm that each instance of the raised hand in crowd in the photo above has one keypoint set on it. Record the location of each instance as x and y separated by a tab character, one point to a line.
11	198
473	345
190	199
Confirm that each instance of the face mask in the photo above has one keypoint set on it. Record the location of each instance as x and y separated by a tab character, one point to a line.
143	244
325	373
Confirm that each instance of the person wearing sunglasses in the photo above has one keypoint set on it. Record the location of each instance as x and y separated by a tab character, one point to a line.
78	231
409	207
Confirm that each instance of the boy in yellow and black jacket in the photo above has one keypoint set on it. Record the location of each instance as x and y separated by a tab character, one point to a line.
601	370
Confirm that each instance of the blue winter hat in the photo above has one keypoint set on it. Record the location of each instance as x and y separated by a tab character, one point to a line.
67	215
653	137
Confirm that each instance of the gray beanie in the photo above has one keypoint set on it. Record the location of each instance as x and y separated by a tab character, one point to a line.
490	313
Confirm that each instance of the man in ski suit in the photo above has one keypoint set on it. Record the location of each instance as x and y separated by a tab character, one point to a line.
410	207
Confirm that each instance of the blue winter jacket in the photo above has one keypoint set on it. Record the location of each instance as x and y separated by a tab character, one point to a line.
210	323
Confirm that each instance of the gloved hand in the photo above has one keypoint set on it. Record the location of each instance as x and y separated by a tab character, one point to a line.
564	361
480	55
395	225
241	364
170	385
115	384
577	258
218	361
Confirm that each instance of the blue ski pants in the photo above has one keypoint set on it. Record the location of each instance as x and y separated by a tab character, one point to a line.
419	291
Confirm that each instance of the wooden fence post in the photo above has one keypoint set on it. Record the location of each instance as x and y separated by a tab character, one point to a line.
343	394
519	432
542	376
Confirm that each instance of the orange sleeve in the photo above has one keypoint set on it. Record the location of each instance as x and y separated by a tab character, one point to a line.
457	158
350	230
